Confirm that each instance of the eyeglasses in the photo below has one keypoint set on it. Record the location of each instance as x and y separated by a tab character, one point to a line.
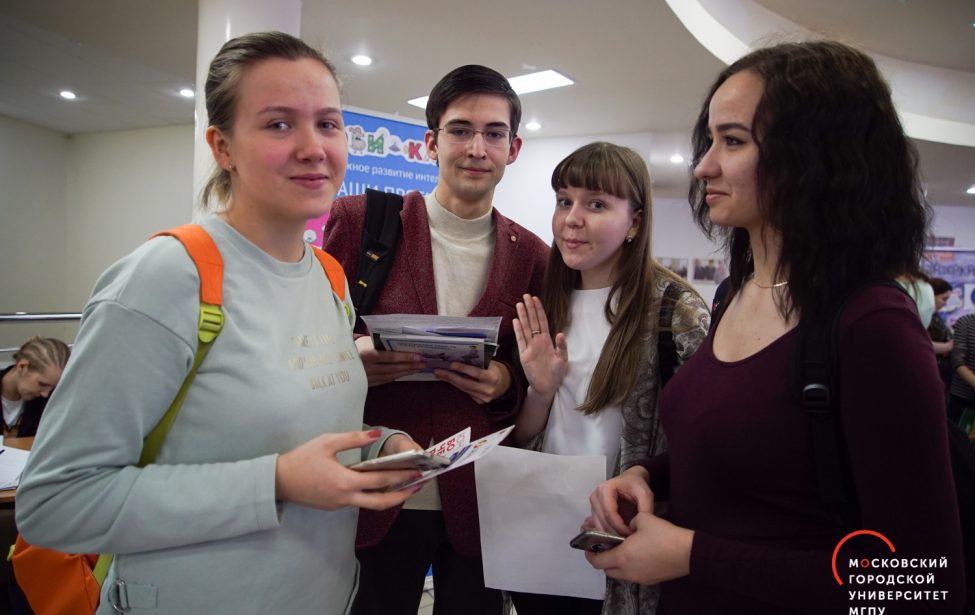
462	135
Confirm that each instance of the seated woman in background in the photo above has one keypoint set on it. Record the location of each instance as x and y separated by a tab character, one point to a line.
802	165
591	346
26	385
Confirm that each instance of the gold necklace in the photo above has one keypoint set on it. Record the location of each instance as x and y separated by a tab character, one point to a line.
751	277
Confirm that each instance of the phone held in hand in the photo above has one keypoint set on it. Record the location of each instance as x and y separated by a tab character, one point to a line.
406	460
595	541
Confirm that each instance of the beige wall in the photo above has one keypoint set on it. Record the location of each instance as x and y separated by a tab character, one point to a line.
33	167
122	187
73	205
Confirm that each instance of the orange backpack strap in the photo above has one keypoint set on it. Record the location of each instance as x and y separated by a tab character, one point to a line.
202	249
206	257
208	261
334	271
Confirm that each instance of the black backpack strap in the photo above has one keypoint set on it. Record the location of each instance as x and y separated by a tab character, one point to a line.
666	347
719	303
380	237
815	381
815	384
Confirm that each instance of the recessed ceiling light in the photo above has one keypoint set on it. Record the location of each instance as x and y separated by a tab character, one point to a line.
186	93
362	60
68	95
971	189
535	82
522	84
533	125
677	159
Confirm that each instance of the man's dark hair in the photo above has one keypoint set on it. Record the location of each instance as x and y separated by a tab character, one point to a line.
466	80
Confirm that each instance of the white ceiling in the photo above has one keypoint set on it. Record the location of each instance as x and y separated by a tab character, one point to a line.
636	67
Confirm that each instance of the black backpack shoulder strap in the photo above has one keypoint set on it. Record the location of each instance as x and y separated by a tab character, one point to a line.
815	381
666	347
380	237
719	303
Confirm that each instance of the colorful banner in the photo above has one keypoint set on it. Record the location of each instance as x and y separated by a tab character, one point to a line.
384	154
957	267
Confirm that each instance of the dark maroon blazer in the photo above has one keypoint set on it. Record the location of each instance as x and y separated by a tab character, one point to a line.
432	411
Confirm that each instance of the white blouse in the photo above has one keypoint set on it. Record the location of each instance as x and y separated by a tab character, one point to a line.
569	431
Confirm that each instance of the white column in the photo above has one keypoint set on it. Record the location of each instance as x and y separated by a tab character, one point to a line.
219	21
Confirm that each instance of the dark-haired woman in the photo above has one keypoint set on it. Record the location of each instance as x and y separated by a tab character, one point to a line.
802	165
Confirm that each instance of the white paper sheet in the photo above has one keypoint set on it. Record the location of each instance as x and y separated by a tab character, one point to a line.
12	462
530	505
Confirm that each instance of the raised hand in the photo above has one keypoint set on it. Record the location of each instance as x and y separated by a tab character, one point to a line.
545	361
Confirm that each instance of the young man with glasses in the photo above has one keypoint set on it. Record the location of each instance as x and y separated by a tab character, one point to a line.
458	256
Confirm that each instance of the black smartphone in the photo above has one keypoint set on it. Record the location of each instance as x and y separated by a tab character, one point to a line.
595	541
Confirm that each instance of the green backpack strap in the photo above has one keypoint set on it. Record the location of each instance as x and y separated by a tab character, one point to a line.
209	264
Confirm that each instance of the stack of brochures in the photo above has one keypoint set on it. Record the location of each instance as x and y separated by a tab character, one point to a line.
440	340
455	451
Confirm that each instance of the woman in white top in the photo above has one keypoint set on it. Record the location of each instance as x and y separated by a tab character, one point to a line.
591	345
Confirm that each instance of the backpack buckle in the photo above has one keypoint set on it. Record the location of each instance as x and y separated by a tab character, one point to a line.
117	597
816	398
210	323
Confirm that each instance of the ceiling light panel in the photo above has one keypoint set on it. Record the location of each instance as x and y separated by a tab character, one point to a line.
522	84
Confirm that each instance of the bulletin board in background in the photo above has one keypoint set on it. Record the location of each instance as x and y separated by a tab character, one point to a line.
386	154
957	267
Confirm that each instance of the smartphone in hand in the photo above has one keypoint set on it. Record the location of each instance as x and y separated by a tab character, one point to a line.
406	460
595	541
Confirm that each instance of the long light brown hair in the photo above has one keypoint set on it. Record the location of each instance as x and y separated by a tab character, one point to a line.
621	172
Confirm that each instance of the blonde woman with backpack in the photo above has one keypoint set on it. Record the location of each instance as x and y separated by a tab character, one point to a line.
249	507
